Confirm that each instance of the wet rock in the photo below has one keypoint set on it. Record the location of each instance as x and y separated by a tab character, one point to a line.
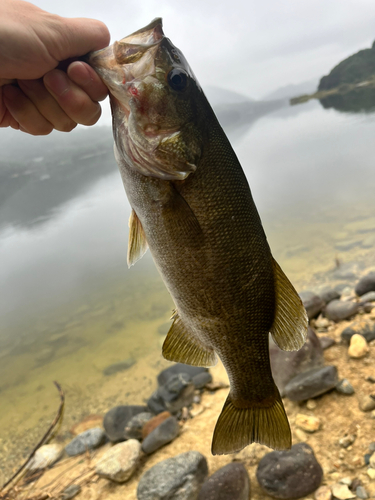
177	478
323	493
312	383
326	342
231	482
287	364
120	461
365	284
312	303
201	379
45	456
345	387
133	429
307	423
290	474
88	440
154	422
364	327
342	492
366	403
347	441
70	492
368	297
361	493
177	392
327	294
117	419
358	346
119	367
87	423
178	368
368	306
155	403
163	434
338	310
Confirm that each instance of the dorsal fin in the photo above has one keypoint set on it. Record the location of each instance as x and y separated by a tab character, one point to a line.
289	329
137	245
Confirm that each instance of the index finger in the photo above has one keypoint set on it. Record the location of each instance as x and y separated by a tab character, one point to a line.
85	77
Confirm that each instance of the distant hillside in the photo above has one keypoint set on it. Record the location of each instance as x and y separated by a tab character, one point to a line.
288	91
354	69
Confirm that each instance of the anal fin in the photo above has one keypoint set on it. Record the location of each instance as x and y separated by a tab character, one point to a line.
137	245
182	347
289	329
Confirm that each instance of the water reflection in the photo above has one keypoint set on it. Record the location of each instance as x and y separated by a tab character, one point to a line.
358	100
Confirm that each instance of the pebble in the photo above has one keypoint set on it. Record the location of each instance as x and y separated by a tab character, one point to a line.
177	478
345	387
367	458
371	473
154	422
371	379
119	367
365	284
45	456
312	383
70	492
163	434
372	461
364	327
286	365
88	440
327	294
231	482
368	297
117	419
290	474
358	346
338	310
201	379
120	461
361	493
87	423
307	423
342	492
322	322
311	404
371	446
323	493
133	429
326	342
366	403
312	303
178	368
346	480
346	441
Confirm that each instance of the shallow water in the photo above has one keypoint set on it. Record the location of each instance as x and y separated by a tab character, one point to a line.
70	307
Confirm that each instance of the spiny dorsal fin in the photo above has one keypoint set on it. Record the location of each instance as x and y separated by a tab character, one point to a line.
137	245
289	329
182	347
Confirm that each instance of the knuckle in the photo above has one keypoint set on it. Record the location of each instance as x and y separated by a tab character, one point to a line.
67	126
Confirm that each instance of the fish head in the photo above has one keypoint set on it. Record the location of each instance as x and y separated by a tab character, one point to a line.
154	96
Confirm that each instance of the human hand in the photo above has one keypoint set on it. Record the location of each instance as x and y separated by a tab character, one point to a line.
33	43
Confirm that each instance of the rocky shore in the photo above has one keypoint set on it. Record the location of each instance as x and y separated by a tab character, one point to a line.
160	448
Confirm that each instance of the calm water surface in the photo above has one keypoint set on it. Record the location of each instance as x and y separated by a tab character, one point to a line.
69	306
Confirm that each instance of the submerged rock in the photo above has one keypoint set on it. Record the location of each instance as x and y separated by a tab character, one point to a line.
338	310
117	419
290	474
312	303
327	294
312	383
231	482
120	461
119	367
154	422
88	440
365	284
177	392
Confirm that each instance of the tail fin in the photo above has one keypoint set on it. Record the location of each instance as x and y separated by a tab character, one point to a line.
238	427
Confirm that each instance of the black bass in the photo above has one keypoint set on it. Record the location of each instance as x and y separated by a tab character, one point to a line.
193	208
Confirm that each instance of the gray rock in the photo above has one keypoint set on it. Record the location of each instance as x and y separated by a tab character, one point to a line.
177	392
201	379
345	387
371	447
361	492
364	327
287	364
312	302
155	403
368	297
338	310
365	284
368	306
327	294
177	478
116	419
231	482
288	474
87	440
133	429
45	456
312	383
326	342
178	368
119	462
163	434
119	367
70	492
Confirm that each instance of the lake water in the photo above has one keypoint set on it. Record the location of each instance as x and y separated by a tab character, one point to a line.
69	306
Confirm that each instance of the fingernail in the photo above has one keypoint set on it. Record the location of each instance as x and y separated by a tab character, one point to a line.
80	73
57	82
10	92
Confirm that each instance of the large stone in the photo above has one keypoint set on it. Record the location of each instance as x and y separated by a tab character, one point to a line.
338	310
120	461
365	284
358	346
201	379
177	478
312	383
231	482
163	434
154	422
178	368
368	297
177	392
327	294
290	474
364	327
133	429
88	440
45	456
287	364
312	303
117	418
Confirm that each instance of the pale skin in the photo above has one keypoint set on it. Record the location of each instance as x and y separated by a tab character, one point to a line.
35	96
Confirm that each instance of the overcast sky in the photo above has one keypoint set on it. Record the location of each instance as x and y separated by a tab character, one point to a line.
251	47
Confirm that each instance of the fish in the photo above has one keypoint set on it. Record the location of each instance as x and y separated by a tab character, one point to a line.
193	208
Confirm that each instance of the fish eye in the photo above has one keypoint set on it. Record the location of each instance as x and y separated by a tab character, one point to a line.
178	79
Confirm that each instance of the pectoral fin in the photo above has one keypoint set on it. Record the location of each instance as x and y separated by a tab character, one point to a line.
137	245
182	347
289	328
